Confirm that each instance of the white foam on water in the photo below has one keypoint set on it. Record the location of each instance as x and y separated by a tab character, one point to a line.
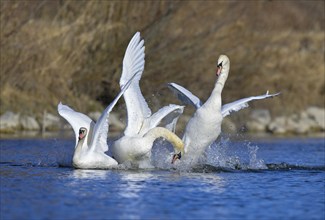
219	155
254	162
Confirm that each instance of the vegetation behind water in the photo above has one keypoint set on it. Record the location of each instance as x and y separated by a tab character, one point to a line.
72	51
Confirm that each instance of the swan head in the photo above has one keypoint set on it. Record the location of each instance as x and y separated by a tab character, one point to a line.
222	63
179	150
82	133
176	157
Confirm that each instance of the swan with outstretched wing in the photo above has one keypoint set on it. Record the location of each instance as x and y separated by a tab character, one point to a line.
91	137
205	125
141	130
186	97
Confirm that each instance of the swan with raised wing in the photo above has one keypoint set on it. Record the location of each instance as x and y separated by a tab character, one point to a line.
91	137
205	125
141	130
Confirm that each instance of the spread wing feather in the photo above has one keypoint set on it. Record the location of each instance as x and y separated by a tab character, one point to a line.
75	119
137	107
99	141
188	98
167	116
243	103
184	95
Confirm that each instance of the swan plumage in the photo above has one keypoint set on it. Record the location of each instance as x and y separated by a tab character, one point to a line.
91	137
135	144
186	97
139	116
205	125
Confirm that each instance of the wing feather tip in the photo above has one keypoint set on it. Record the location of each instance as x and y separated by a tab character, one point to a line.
60	106
275	94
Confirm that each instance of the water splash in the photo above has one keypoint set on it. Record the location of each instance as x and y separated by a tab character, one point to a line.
254	162
223	155
161	154
63	153
220	154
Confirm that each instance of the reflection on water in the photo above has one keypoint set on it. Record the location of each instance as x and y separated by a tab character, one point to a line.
293	185
210	183
132	190
133	183
88	174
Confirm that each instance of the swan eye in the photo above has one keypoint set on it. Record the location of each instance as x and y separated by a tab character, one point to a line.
220	64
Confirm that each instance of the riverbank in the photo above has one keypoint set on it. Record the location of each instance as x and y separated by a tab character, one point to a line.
240	136
258	123
54	51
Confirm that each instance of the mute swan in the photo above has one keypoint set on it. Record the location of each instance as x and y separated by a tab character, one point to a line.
141	130
205	125
91	137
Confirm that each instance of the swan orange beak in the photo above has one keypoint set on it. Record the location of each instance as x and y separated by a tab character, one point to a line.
219	68
176	156
81	135
218	71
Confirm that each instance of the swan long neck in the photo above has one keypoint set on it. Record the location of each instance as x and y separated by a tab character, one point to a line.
158	132
214	100
78	150
220	83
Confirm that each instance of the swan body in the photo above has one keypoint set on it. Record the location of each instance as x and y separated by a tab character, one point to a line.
141	129
138	148
205	125
91	137
85	158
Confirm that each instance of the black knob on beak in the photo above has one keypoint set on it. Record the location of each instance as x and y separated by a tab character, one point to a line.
176	156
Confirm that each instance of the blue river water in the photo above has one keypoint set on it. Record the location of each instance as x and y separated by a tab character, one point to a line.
262	179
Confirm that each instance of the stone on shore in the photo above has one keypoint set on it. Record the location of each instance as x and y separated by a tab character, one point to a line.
278	125
259	119
9	122
29	123
305	122
298	124
318	115
51	122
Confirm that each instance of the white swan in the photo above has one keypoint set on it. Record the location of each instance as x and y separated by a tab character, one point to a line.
141	130
91	137
205	125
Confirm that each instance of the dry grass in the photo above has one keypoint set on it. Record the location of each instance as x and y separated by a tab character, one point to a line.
71	51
